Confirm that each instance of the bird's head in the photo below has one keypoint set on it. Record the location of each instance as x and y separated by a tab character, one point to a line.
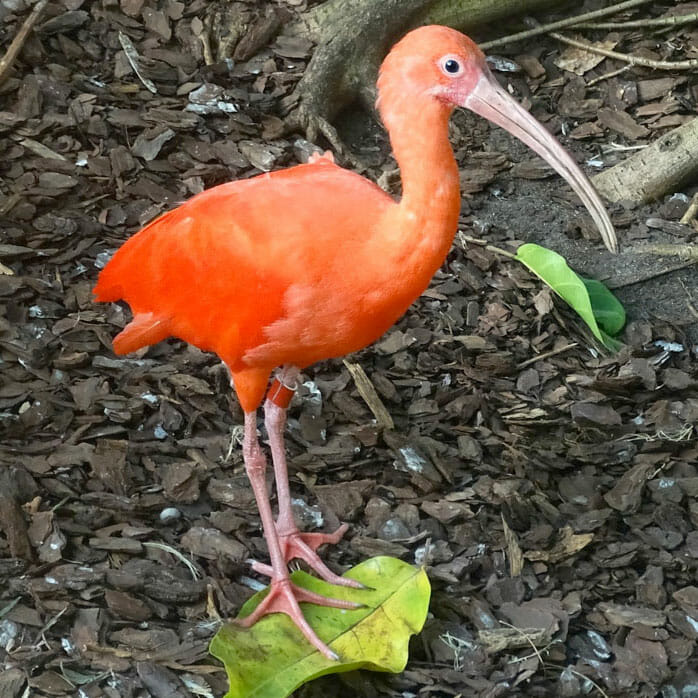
430	63
440	67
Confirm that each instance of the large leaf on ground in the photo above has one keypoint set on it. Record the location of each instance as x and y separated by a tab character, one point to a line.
272	658
591	300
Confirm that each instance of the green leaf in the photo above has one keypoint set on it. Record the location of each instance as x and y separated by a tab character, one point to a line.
272	658
590	299
607	309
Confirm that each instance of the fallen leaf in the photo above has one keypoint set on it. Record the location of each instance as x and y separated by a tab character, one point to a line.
372	637
552	268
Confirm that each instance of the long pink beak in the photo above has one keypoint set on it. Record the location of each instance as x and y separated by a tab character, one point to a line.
488	99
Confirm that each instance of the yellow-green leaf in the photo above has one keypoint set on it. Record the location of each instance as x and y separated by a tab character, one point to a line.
272	658
592	301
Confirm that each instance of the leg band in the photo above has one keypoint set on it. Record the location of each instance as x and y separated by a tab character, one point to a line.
279	394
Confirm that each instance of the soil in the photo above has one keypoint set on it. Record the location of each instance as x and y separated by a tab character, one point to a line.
545	484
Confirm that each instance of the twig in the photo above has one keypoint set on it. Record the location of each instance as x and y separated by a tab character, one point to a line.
60	504
543	663
483	243
690	211
16	46
627	58
570	21
50	623
647	277
173	551
546	355
581	676
456	644
606	76
682	251
201	33
674	20
682	434
369	394
617	147
526	637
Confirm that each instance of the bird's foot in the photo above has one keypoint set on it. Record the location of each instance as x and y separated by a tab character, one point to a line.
284	597
302	546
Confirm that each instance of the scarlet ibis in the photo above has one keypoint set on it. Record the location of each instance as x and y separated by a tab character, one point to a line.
314	261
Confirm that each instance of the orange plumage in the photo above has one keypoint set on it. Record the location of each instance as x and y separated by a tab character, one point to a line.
294	266
281	268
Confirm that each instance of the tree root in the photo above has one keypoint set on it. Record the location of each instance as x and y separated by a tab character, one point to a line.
562	23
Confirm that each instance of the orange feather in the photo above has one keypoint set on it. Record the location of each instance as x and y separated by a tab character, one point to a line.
307	263
289	267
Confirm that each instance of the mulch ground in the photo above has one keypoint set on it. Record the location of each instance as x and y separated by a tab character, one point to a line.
550	489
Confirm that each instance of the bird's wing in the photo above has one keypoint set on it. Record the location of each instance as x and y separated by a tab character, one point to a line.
215	271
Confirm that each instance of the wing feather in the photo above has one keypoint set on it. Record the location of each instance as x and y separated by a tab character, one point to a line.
216	270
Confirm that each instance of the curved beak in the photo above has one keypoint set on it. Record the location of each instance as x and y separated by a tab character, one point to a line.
488	99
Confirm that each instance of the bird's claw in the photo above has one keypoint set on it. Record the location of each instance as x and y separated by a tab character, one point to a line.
302	546
284	597
319	157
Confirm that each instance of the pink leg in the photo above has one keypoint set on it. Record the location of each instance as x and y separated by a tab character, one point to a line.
283	596
295	544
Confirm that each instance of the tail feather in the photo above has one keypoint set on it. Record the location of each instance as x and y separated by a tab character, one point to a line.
145	329
105	291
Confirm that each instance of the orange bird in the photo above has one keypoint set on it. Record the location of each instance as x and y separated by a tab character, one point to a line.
313	262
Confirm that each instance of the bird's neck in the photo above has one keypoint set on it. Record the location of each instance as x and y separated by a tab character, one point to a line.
428	211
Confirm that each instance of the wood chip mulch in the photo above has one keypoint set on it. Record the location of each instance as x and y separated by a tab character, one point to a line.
550	489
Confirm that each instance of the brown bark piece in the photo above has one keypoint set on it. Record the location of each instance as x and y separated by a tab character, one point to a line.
12	521
622	123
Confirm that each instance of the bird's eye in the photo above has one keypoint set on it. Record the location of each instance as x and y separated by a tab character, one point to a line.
451	66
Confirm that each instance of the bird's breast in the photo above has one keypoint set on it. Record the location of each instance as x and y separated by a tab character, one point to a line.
340	313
